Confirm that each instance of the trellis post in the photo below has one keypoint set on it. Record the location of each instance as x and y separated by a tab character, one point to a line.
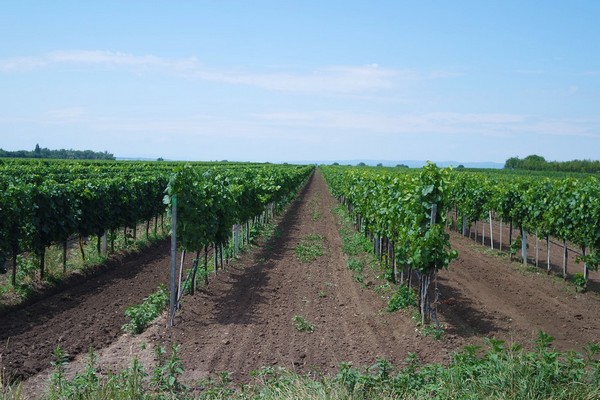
172	281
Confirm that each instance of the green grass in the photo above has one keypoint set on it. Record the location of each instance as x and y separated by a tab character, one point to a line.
355	265
403	297
310	248
302	324
140	316
494	370
313	205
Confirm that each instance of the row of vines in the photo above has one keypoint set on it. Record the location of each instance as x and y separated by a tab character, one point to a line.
37	211
209	206
567	209
405	214
48	203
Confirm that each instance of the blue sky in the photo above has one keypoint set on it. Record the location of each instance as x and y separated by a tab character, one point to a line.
303	80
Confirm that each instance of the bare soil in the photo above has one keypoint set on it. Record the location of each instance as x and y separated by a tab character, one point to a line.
485	294
243	320
88	313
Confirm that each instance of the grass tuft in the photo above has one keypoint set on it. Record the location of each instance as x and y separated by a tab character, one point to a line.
302	324
310	248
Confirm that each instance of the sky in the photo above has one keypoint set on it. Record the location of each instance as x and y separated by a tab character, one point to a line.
303	80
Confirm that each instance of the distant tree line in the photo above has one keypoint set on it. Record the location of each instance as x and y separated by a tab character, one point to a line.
538	163
40	152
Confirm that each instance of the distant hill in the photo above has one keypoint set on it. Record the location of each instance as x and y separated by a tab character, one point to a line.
409	163
135	159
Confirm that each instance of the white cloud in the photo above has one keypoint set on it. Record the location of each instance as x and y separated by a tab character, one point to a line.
450	123
337	79
333	79
64	115
22	63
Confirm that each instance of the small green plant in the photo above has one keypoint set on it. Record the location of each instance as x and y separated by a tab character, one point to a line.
322	294
302	324
494	370
165	377
58	381
86	383
403	297
310	248
355	265
359	278
434	332
142	315
353	243
384	287
580	282
315	215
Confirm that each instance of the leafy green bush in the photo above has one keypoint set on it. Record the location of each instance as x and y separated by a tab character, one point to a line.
143	314
580	282
355	265
403	298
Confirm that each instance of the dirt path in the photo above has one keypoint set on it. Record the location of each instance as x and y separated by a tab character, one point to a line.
243	320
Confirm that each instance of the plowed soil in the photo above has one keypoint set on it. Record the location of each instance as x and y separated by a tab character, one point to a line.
243	319
88	314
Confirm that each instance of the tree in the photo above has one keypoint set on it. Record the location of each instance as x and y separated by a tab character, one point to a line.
512	163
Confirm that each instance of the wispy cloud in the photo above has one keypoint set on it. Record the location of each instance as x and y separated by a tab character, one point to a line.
344	79
22	63
490	124
64	115
94	57
338	79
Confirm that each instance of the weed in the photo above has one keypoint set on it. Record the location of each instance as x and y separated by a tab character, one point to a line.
310	248
580	282
403	297
165	375
352	243
355	265
315	214
384	287
302	324
493	370
143	314
434	332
